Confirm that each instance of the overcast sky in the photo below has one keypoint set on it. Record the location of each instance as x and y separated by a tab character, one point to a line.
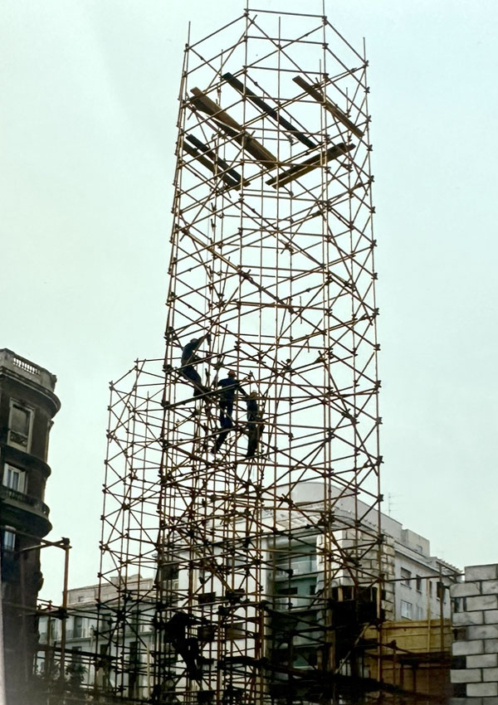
87	133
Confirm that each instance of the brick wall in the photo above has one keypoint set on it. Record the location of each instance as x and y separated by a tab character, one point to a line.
474	672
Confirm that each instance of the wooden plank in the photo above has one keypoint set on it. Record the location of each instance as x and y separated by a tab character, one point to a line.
308	165
211	153
209	165
271	112
232	127
334	109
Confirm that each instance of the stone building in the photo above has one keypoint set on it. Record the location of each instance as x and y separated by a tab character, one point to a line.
27	407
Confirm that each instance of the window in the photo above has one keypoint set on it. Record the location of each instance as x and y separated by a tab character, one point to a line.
406	609
405	577
419	583
134	654
419	612
20	426
441	592
287	591
9	540
285	601
78	627
14	478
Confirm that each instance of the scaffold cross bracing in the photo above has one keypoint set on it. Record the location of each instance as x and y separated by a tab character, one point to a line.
242	493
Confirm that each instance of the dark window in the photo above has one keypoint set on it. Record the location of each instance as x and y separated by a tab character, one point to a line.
19	425
134	657
78	627
19	420
405	577
134	667
419	583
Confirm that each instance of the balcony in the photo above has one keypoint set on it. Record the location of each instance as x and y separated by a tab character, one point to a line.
14	497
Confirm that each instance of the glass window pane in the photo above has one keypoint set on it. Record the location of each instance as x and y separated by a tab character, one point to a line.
19	421
14	478
406	609
9	541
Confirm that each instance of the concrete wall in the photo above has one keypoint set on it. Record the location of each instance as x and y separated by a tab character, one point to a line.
475	621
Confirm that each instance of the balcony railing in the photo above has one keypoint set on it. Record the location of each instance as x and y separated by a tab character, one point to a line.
10	361
33	502
26	366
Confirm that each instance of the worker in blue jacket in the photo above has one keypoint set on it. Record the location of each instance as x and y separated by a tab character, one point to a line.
229	386
189	359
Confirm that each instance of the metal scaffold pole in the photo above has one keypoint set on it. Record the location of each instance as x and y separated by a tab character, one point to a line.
243	469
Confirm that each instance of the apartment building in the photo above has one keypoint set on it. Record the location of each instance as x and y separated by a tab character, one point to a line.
27	407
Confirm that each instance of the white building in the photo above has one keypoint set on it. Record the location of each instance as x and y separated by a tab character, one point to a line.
415	573
292	577
90	644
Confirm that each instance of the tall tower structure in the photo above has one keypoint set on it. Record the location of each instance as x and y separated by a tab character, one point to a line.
27	406
272	277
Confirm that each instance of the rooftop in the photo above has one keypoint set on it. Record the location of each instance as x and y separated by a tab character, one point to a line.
22	367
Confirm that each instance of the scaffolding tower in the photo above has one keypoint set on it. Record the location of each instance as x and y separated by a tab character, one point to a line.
259	524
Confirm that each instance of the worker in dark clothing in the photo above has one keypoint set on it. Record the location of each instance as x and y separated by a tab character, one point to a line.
226	424
189	359
186	647
255	425
229	386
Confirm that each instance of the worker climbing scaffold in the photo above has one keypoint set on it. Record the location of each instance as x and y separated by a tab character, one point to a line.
230	385
189	359
255	425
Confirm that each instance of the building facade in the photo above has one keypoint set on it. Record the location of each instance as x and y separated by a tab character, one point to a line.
27	407
120	659
90	646
417	582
